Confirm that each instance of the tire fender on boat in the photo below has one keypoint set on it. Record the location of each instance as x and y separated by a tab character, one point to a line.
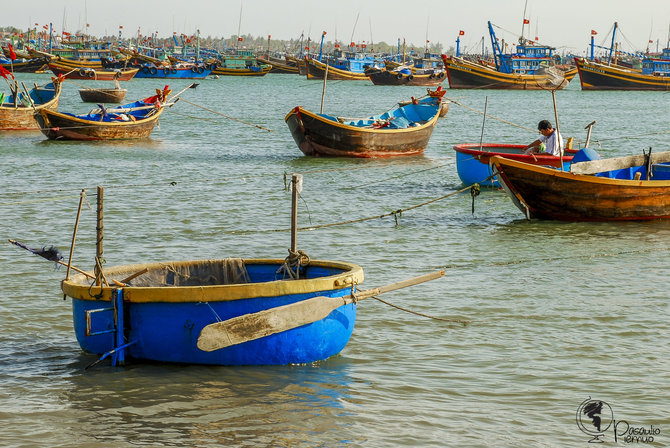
153	70
82	72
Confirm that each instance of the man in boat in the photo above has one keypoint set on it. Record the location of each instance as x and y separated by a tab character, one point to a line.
550	142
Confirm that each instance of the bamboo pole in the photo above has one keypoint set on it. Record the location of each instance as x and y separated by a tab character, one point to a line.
74	233
99	232
481	138
294	213
558	136
323	92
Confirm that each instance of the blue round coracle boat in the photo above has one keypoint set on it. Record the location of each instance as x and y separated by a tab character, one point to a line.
472	160
157	311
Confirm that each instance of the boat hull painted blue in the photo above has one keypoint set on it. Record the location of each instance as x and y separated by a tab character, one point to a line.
168	330
166	73
472	171
169	333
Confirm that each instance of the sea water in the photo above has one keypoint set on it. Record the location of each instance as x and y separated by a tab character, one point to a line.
560	313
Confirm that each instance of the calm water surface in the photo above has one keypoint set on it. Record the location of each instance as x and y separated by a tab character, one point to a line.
560	311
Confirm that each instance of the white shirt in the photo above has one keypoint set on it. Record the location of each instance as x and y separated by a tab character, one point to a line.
551	147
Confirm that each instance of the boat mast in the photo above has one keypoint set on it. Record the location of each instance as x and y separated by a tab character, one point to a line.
239	25
501	65
523	22
351	41
609	59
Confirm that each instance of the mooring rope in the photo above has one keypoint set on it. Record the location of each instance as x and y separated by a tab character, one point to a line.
394	213
226	116
457	321
491	116
535	131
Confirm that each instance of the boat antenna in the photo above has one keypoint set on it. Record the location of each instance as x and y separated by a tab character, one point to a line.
523	22
371	41
354	29
239	25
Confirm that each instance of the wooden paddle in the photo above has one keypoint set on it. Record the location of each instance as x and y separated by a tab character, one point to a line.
275	320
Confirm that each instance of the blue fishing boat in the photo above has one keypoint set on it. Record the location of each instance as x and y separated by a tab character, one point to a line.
401	131
174	72
165	307
653	75
473	160
531	67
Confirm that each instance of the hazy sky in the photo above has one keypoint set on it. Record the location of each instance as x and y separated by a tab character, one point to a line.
565	24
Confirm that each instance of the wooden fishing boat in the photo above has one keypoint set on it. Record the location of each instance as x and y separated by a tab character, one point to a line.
111	95
18	109
655	75
284	66
26	66
241	63
405	77
531	67
95	74
617	189
653	72
402	131
253	70
317	70
72	63
130	121
473	160
464	74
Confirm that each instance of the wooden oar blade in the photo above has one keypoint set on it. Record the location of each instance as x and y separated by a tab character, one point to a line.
249	327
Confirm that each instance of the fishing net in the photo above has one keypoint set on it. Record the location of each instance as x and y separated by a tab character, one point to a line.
202	273
550	78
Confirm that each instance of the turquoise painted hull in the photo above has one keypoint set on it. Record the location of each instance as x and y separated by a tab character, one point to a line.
168	331
174	73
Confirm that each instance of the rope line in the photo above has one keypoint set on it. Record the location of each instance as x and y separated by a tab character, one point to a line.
457	321
491	116
394	213
226	116
535	131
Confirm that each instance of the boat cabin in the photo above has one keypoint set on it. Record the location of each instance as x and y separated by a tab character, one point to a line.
527	60
657	66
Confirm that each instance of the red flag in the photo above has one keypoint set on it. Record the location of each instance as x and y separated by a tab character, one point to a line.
526	21
12	55
120	27
651	41
45	27
593	32
4	72
240	39
65	33
461	33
